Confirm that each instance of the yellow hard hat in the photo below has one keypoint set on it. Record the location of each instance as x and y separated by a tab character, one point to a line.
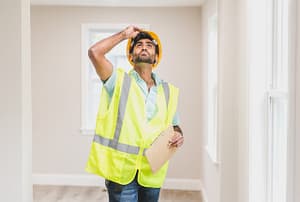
144	35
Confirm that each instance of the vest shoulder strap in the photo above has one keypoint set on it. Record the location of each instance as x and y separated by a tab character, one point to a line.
166	88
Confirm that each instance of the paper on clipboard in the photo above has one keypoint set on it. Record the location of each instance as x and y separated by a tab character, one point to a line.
160	151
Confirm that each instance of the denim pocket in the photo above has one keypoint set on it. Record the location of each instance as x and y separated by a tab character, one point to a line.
114	187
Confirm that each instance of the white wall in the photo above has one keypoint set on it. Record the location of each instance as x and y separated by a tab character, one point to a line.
58	146
210	172
243	102
227	181
297	142
15	107
229	105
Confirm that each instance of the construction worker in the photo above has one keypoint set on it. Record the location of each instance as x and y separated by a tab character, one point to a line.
134	109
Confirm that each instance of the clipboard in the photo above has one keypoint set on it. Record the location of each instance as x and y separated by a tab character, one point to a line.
160	151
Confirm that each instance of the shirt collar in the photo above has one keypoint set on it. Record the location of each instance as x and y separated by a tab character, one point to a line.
137	77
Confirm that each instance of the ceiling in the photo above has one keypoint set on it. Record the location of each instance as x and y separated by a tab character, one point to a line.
120	3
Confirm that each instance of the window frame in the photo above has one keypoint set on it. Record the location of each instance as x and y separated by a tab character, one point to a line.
86	29
212	90
261	176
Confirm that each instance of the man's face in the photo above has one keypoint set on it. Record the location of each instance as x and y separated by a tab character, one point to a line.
144	52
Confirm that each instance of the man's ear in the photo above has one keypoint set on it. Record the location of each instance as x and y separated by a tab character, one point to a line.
130	57
156	59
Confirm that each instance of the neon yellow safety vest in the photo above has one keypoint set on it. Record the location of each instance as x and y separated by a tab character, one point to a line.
123	132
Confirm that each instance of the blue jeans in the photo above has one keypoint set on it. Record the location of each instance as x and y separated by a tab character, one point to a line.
132	192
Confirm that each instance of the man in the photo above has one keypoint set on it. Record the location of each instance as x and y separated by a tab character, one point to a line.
135	108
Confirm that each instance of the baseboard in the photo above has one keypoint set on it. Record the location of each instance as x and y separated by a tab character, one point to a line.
183	184
67	180
91	180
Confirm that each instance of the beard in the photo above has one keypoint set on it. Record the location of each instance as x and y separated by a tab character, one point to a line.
150	59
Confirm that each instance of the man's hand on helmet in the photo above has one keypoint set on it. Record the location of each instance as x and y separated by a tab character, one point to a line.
131	31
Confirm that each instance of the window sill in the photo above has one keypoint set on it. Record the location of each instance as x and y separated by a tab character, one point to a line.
85	131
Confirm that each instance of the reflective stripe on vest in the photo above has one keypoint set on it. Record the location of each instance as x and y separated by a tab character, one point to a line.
166	91
114	143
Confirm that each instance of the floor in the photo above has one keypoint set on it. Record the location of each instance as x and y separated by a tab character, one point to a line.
42	193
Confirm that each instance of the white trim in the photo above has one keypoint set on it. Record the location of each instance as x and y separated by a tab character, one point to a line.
84	62
93	180
278	94
212	91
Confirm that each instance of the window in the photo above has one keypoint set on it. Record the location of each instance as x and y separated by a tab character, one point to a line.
212	112
269	99
278	105
90	82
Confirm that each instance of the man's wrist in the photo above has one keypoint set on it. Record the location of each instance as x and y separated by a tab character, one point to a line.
123	34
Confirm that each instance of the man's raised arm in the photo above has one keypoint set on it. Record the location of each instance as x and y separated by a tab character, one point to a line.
97	52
